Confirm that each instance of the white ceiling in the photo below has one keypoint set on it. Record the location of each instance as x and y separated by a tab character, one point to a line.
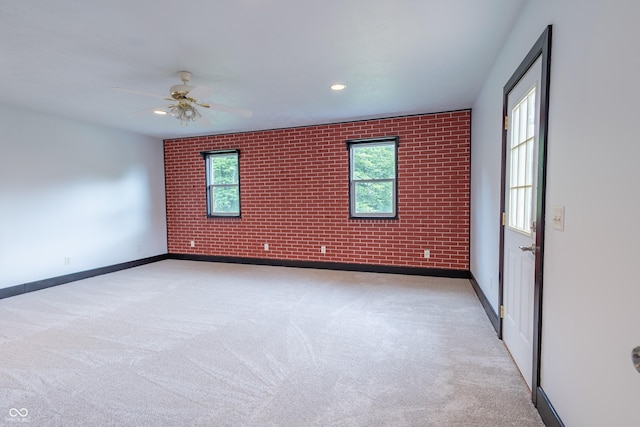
274	57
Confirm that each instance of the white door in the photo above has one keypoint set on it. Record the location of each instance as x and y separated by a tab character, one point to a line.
520	208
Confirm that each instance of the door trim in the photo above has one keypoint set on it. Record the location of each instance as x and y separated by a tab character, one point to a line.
541	49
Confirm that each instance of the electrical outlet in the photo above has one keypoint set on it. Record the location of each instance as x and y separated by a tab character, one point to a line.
67	260
193	243
323	249
427	253
266	246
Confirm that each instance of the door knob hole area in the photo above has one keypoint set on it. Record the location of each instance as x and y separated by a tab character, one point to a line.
635	357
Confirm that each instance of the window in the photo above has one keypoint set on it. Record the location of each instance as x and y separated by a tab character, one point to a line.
373	178
522	164
223	183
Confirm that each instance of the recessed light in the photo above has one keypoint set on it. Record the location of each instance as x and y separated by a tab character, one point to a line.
160	112
338	86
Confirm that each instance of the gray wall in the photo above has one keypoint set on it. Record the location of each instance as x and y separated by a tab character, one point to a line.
79	191
591	292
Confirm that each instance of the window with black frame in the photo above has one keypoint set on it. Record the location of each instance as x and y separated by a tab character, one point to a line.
223	182
373	178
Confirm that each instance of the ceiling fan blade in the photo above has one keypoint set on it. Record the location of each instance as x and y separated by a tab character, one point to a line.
139	92
152	110
200	92
203	121
233	110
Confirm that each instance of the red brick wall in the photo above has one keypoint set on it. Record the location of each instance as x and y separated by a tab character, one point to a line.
294	192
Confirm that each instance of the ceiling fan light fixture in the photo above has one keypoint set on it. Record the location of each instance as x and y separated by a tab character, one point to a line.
184	103
185	112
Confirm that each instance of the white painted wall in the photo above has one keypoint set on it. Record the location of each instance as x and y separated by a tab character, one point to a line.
591	290
76	190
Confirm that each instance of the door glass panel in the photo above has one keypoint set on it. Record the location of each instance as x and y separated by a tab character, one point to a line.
529	173
515	119
531	117
520	209
522	135
521	172
522	165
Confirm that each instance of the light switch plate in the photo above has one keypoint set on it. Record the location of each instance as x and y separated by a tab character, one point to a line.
558	218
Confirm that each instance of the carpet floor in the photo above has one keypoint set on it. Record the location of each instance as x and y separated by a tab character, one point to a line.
180	343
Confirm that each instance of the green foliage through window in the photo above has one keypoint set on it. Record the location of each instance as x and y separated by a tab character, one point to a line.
373	178
223	184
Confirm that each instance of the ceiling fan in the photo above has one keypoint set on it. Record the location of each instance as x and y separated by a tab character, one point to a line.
185	100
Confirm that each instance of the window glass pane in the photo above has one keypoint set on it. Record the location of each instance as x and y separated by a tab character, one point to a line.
523	121
223	184
520	209
527	209
225	199
531	109
372	178
513	203
529	162
224	169
374	197
513	181
374	162
522	165
515	127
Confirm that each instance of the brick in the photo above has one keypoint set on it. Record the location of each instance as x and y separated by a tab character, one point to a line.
294	194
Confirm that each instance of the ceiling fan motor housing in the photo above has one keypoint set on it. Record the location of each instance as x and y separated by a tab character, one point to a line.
180	91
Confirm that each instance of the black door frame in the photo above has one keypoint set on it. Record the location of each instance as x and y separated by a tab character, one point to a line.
541	49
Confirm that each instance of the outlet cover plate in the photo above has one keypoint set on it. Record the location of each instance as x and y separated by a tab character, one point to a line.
558	218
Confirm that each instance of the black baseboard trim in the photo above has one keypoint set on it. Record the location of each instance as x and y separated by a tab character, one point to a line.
491	314
60	280
367	268
546	410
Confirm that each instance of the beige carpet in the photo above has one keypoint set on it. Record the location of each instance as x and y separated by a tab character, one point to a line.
180	343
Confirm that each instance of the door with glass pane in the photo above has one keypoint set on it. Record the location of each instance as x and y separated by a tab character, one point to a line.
519	219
